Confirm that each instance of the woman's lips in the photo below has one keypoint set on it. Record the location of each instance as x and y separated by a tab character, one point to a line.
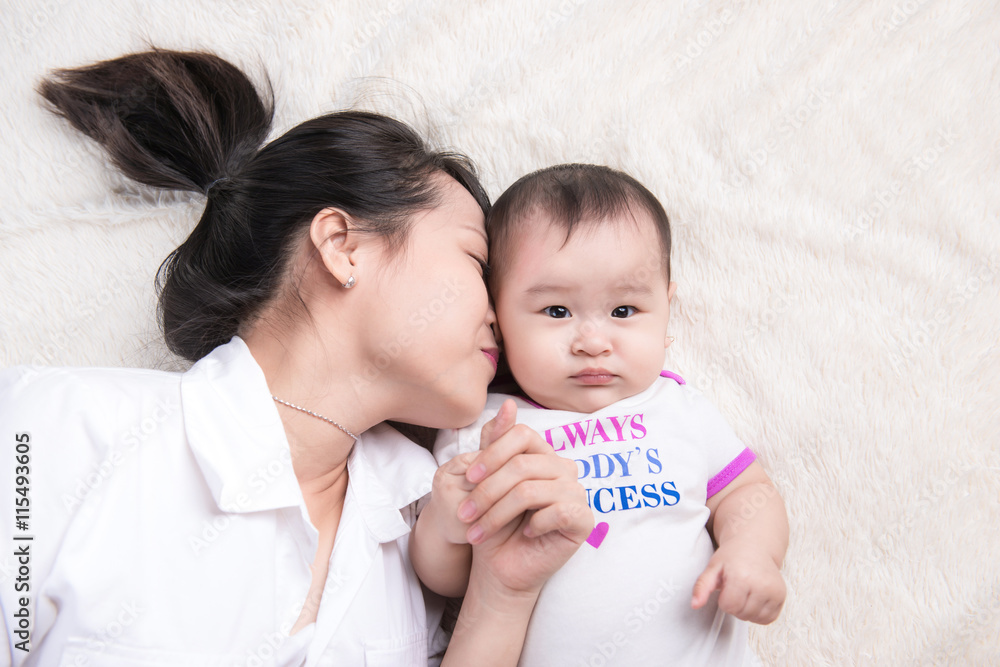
493	355
594	376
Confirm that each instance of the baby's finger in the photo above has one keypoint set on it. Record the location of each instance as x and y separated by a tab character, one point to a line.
734	597
496	427
516	471
452	472
764	602
710	580
573	520
532	494
493	430
768	613
459	463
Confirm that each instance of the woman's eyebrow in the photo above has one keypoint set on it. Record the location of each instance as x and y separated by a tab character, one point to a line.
476	230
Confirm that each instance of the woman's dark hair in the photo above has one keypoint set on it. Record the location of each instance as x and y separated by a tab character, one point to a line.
192	121
570	195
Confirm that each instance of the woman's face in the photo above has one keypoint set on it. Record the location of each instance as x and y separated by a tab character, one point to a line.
431	336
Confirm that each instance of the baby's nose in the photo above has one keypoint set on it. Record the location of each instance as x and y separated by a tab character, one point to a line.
591	339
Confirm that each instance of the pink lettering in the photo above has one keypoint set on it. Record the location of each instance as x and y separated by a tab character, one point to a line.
548	439
619	427
637	427
580	432
598	429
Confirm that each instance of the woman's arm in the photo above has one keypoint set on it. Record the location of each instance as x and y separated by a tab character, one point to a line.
491	625
528	516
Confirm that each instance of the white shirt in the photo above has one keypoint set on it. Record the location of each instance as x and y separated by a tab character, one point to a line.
649	462
168	526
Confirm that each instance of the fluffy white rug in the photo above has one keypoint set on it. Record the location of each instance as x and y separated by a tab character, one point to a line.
832	171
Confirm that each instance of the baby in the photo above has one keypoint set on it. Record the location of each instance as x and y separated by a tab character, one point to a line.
580	275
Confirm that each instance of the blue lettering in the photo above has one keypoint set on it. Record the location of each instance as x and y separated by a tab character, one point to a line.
624	462
652	498
586	468
597	466
672	493
623	493
597	501
653	457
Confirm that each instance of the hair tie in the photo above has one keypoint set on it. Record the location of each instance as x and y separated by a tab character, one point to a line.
214	183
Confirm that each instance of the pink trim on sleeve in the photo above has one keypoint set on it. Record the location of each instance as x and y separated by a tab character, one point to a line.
673	376
730	472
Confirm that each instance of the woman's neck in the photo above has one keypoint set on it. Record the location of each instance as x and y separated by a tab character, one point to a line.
304	372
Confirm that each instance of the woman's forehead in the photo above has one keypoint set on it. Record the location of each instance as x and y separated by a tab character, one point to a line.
457	213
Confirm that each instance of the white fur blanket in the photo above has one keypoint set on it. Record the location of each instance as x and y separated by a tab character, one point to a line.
832	172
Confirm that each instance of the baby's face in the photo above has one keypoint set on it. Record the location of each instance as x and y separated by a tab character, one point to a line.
584	324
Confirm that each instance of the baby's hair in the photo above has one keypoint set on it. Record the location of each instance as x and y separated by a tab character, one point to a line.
569	195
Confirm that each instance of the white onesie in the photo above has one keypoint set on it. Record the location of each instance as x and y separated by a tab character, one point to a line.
648	462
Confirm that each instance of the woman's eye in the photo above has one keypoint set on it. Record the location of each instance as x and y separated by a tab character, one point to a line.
623	311
558	312
484	268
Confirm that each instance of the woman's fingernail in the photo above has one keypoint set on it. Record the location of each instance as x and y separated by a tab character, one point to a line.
476	473
467	510
475	534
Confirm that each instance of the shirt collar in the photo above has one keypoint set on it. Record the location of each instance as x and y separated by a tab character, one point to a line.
240	445
388	472
235	432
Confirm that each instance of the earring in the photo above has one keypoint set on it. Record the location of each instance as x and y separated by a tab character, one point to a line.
351	282
671	339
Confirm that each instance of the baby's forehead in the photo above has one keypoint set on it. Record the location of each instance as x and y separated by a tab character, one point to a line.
542	222
626	255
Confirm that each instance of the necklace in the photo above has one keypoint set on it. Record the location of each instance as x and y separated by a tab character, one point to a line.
310	412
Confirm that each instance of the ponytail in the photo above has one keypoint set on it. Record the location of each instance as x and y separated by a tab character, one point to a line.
177	121
192	121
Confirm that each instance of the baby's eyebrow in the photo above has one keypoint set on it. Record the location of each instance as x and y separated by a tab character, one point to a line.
547	288
641	289
618	290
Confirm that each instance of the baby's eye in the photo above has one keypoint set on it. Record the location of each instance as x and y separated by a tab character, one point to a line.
623	311
558	312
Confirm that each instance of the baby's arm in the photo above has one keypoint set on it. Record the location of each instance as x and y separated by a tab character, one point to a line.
439	550
750	526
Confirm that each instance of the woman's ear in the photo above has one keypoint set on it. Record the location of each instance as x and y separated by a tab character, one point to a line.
334	236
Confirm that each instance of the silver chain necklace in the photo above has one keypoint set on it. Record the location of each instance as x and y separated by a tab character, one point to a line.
310	412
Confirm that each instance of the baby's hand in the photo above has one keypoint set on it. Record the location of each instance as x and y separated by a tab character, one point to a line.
749	581
449	490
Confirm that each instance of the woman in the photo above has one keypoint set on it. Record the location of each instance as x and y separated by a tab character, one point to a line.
230	514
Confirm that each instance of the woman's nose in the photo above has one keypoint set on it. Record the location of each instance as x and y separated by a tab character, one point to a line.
491	321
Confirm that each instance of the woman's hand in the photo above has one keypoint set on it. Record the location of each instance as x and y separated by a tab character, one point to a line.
528	513
528	516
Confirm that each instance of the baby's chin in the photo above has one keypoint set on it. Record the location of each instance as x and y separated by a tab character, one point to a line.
584	401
